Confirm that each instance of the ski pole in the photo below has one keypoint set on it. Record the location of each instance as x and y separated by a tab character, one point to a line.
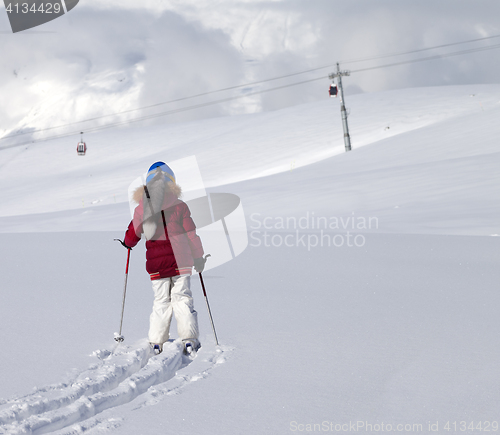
208	306
119	338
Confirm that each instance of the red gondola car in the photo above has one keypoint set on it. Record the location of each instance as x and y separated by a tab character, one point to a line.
81	148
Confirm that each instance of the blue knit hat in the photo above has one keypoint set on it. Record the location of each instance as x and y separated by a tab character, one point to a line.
165	169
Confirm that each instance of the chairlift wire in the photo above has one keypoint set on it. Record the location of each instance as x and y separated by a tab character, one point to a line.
223	100
422	59
169	112
279	78
415	51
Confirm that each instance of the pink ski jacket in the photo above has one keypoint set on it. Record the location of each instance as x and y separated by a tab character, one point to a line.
170	248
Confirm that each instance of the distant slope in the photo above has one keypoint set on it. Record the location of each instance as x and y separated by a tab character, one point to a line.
428	146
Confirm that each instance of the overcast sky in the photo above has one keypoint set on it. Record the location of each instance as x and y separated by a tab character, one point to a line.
104	57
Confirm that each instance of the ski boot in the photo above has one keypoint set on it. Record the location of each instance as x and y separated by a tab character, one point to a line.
191	346
157	348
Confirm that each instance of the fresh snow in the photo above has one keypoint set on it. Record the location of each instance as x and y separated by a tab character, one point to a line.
401	329
122	374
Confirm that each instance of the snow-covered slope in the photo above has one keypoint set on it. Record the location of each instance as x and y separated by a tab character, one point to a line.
317	326
401	331
422	138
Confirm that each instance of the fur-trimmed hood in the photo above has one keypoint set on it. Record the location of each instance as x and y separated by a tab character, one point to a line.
161	195
173	187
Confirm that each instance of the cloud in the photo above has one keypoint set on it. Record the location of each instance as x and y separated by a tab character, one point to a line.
184	59
114	60
112	56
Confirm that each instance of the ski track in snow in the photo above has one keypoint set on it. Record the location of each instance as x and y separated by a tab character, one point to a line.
120	377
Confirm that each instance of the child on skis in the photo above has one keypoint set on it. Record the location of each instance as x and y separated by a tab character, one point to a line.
172	249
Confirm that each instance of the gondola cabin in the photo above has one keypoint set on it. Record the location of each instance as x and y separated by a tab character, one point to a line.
81	148
334	90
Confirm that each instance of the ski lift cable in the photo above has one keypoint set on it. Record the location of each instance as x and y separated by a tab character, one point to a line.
422	59
416	51
169	112
223	100
165	102
264	81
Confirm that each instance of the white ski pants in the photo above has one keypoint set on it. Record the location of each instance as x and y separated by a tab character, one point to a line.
172	296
